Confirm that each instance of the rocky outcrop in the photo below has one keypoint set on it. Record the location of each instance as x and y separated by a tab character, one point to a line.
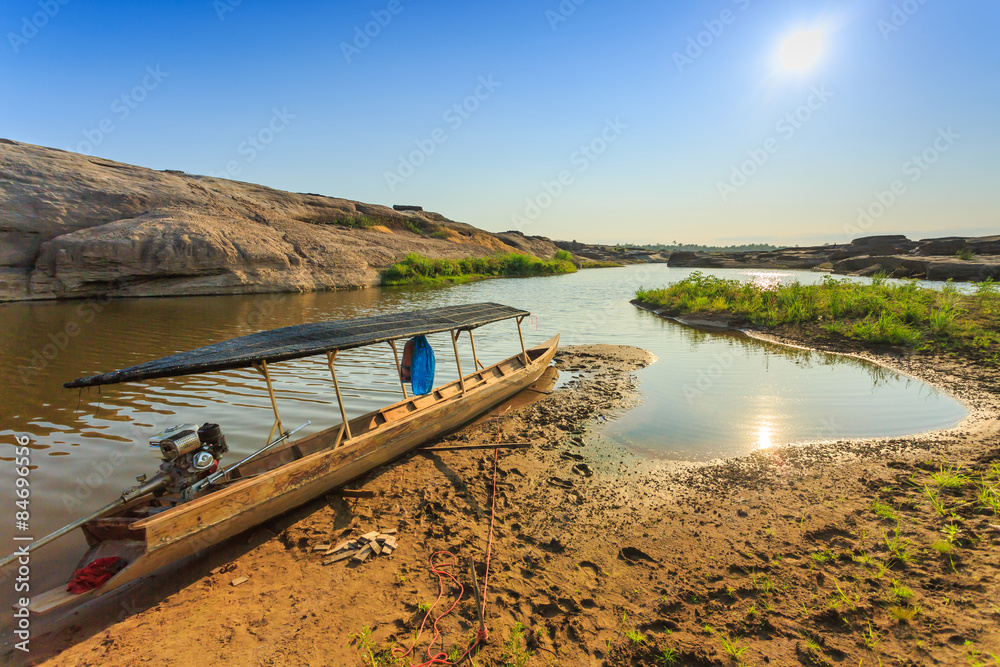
785	258
607	253
951	258
74	226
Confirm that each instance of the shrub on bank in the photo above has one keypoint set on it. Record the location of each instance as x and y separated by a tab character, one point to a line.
883	312
415	268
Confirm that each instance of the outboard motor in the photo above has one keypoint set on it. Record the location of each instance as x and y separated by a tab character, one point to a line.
189	453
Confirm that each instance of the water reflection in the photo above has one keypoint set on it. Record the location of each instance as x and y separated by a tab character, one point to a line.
768	280
765	433
755	391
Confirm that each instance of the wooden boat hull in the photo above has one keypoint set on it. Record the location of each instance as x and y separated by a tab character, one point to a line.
301	471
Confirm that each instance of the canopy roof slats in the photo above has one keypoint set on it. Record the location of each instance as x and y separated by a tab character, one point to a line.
305	340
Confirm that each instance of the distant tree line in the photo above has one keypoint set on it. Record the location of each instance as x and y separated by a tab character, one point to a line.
693	247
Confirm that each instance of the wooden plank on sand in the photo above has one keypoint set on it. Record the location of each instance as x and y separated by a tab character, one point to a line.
340	547
341	556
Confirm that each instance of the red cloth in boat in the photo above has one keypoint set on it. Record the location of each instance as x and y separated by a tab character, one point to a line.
94	574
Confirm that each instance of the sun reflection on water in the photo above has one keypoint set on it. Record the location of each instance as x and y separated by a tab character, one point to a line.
766	280
765	434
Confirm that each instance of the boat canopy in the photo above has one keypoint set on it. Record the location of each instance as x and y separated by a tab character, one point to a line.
304	340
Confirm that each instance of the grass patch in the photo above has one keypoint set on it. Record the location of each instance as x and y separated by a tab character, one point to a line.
900	591
988	495
871	637
636	637
884	510
668	657
597	264
732	647
372	655
823	556
515	649
936	501
950	478
900	549
415	268
899	314
943	547
367	222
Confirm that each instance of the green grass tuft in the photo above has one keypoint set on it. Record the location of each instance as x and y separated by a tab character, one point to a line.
884	510
883	312
949	478
900	591
904	614
415	268
515	649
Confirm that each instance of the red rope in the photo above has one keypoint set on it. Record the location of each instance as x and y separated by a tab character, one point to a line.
440	570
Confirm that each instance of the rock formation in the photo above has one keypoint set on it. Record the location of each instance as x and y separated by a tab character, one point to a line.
955	258
77	226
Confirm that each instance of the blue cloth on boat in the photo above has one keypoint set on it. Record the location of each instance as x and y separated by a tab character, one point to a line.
422	366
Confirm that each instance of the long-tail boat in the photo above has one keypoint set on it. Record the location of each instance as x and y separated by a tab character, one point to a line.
192	502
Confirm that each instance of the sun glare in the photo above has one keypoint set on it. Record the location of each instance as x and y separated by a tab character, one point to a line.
801	49
765	433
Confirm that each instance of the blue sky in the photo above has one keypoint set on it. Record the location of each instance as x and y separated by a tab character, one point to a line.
574	121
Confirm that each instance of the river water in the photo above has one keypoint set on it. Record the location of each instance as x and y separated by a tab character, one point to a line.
708	395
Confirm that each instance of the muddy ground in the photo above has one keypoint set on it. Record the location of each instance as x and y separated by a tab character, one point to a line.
848	552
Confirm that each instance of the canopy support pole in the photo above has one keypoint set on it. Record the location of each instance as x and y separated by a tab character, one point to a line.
346	426
524	353
458	362
399	369
478	364
262	369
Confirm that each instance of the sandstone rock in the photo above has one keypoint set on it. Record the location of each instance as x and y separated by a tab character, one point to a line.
682	258
948	245
77	226
855	264
885	239
895	255
984	245
957	269
870	270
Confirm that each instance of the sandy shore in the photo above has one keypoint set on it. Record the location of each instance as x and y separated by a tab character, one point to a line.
604	557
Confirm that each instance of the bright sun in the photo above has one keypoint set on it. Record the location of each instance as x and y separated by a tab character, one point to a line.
801	49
